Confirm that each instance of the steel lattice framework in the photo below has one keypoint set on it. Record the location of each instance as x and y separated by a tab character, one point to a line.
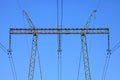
33	57
59	30
80	31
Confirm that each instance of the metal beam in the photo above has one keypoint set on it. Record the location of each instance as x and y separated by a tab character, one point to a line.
59	30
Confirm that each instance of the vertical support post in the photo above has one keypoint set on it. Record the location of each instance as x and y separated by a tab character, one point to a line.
108	50
33	57
85	57
9	50
11	59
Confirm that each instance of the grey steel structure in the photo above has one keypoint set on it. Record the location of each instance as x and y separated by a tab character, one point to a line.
64	31
59	30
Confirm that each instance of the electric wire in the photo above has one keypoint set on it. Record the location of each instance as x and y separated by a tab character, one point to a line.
11	61
84	47
40	69
117	46
61	13
32	26
107	61
19	5
59	25
3	48
58	67
105	69
79	66
98	4
13	67
57	13
96	9
61	67
23	17
59	58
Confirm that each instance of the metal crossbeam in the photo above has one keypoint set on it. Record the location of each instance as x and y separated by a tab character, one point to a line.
59	30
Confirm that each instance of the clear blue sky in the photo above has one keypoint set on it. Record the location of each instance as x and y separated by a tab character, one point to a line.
43	14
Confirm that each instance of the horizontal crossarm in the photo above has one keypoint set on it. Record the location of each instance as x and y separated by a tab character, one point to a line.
59	30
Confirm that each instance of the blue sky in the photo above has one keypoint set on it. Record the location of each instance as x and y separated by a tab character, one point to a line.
43	14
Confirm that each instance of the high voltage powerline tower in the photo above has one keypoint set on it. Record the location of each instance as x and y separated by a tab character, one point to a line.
80	31
86	30
59	31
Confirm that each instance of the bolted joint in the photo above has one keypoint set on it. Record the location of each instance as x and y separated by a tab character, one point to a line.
35	34
59	50
108	52
9	52
94	11
83	34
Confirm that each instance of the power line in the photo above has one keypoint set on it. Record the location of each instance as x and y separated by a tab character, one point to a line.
98	4
79	66
59	58
59	25
3	48
40	69
10	60
13	67
57	13
19	5
97	9
61	13
105	69
107	61
117	46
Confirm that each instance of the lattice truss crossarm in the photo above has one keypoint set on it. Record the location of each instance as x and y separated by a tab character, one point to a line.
56	30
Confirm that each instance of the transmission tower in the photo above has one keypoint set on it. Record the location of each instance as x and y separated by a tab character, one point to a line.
58	31
64	31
